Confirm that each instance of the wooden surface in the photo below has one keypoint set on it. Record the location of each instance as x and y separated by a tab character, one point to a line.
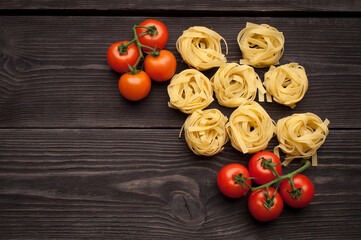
78	161
204	7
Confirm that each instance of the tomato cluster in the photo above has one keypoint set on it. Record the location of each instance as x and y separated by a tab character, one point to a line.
150	37
265	203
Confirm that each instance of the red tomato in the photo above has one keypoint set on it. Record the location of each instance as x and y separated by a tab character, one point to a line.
159	40
162	67
227	183
119	62
264	175
306	188
259	199
134	87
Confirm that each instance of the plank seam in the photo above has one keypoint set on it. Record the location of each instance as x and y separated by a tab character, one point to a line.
178	13
124	128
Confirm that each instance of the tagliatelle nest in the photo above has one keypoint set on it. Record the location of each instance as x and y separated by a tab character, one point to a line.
300	135
235	84
287	83
200	47
190	90
261	45
250	128
205	132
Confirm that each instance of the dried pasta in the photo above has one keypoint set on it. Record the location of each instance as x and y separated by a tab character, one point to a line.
205	132
200	47
250	128
287	83
234	84
190	90
261	45
300	135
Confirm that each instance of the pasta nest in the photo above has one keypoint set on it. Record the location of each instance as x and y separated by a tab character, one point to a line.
205	131
261	45
250	128
190	90
234	84
300	135
287	83
200	47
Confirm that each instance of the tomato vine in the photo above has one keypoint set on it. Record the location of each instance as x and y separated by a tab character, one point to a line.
265	203
151	30
150	37
289	176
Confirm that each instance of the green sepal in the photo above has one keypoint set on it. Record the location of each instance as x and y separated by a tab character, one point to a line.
242	180
269	202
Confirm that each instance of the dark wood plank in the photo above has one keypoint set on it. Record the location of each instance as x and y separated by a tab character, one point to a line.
146	184
187	5
53	70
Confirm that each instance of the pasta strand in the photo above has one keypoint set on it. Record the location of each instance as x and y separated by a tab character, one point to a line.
201	49
300	135
250	128
234	84
287	83
261	45
205	132
189	91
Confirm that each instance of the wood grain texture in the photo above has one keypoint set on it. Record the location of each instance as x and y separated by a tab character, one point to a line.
188	5
78	161
146	184
53	70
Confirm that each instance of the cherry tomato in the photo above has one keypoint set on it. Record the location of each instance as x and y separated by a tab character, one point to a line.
265	206
162	67
305	187
264	175
160	39
227	182
134	87
119	62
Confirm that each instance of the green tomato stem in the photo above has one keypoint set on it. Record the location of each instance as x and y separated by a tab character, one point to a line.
136	40
296	193
152	30
270	165
281	178
124	47
242	180
269	202
155	52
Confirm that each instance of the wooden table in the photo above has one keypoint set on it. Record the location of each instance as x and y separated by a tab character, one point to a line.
78	161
